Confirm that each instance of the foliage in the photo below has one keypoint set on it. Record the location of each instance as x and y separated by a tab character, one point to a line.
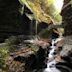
69	3
5	50
3	57
43	10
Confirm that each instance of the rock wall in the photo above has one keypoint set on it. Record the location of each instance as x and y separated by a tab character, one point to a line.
13	23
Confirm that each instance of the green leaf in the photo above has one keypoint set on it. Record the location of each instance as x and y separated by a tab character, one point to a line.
71	3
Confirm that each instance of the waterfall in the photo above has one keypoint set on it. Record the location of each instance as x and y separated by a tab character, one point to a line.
31	28
51	57
36	27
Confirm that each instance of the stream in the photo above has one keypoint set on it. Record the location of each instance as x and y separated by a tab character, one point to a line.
51	56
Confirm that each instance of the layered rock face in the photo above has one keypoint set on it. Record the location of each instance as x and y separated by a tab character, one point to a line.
12	23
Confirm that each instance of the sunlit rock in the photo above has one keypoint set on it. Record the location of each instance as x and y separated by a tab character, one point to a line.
47	11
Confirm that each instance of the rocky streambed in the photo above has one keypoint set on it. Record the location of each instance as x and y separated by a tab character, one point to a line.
35	58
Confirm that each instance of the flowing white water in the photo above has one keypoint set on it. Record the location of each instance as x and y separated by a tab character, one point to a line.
36	27
52	62
31	25
51	67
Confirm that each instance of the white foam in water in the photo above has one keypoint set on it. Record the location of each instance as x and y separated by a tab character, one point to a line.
51	67
51	64
51	70
52	50
51	54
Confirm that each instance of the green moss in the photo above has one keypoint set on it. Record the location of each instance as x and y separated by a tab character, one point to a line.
3	56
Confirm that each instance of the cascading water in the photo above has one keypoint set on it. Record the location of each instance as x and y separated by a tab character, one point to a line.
33	28
51	57
31	25
36	27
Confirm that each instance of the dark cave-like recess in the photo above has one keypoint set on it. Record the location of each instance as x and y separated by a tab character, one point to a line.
13	23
